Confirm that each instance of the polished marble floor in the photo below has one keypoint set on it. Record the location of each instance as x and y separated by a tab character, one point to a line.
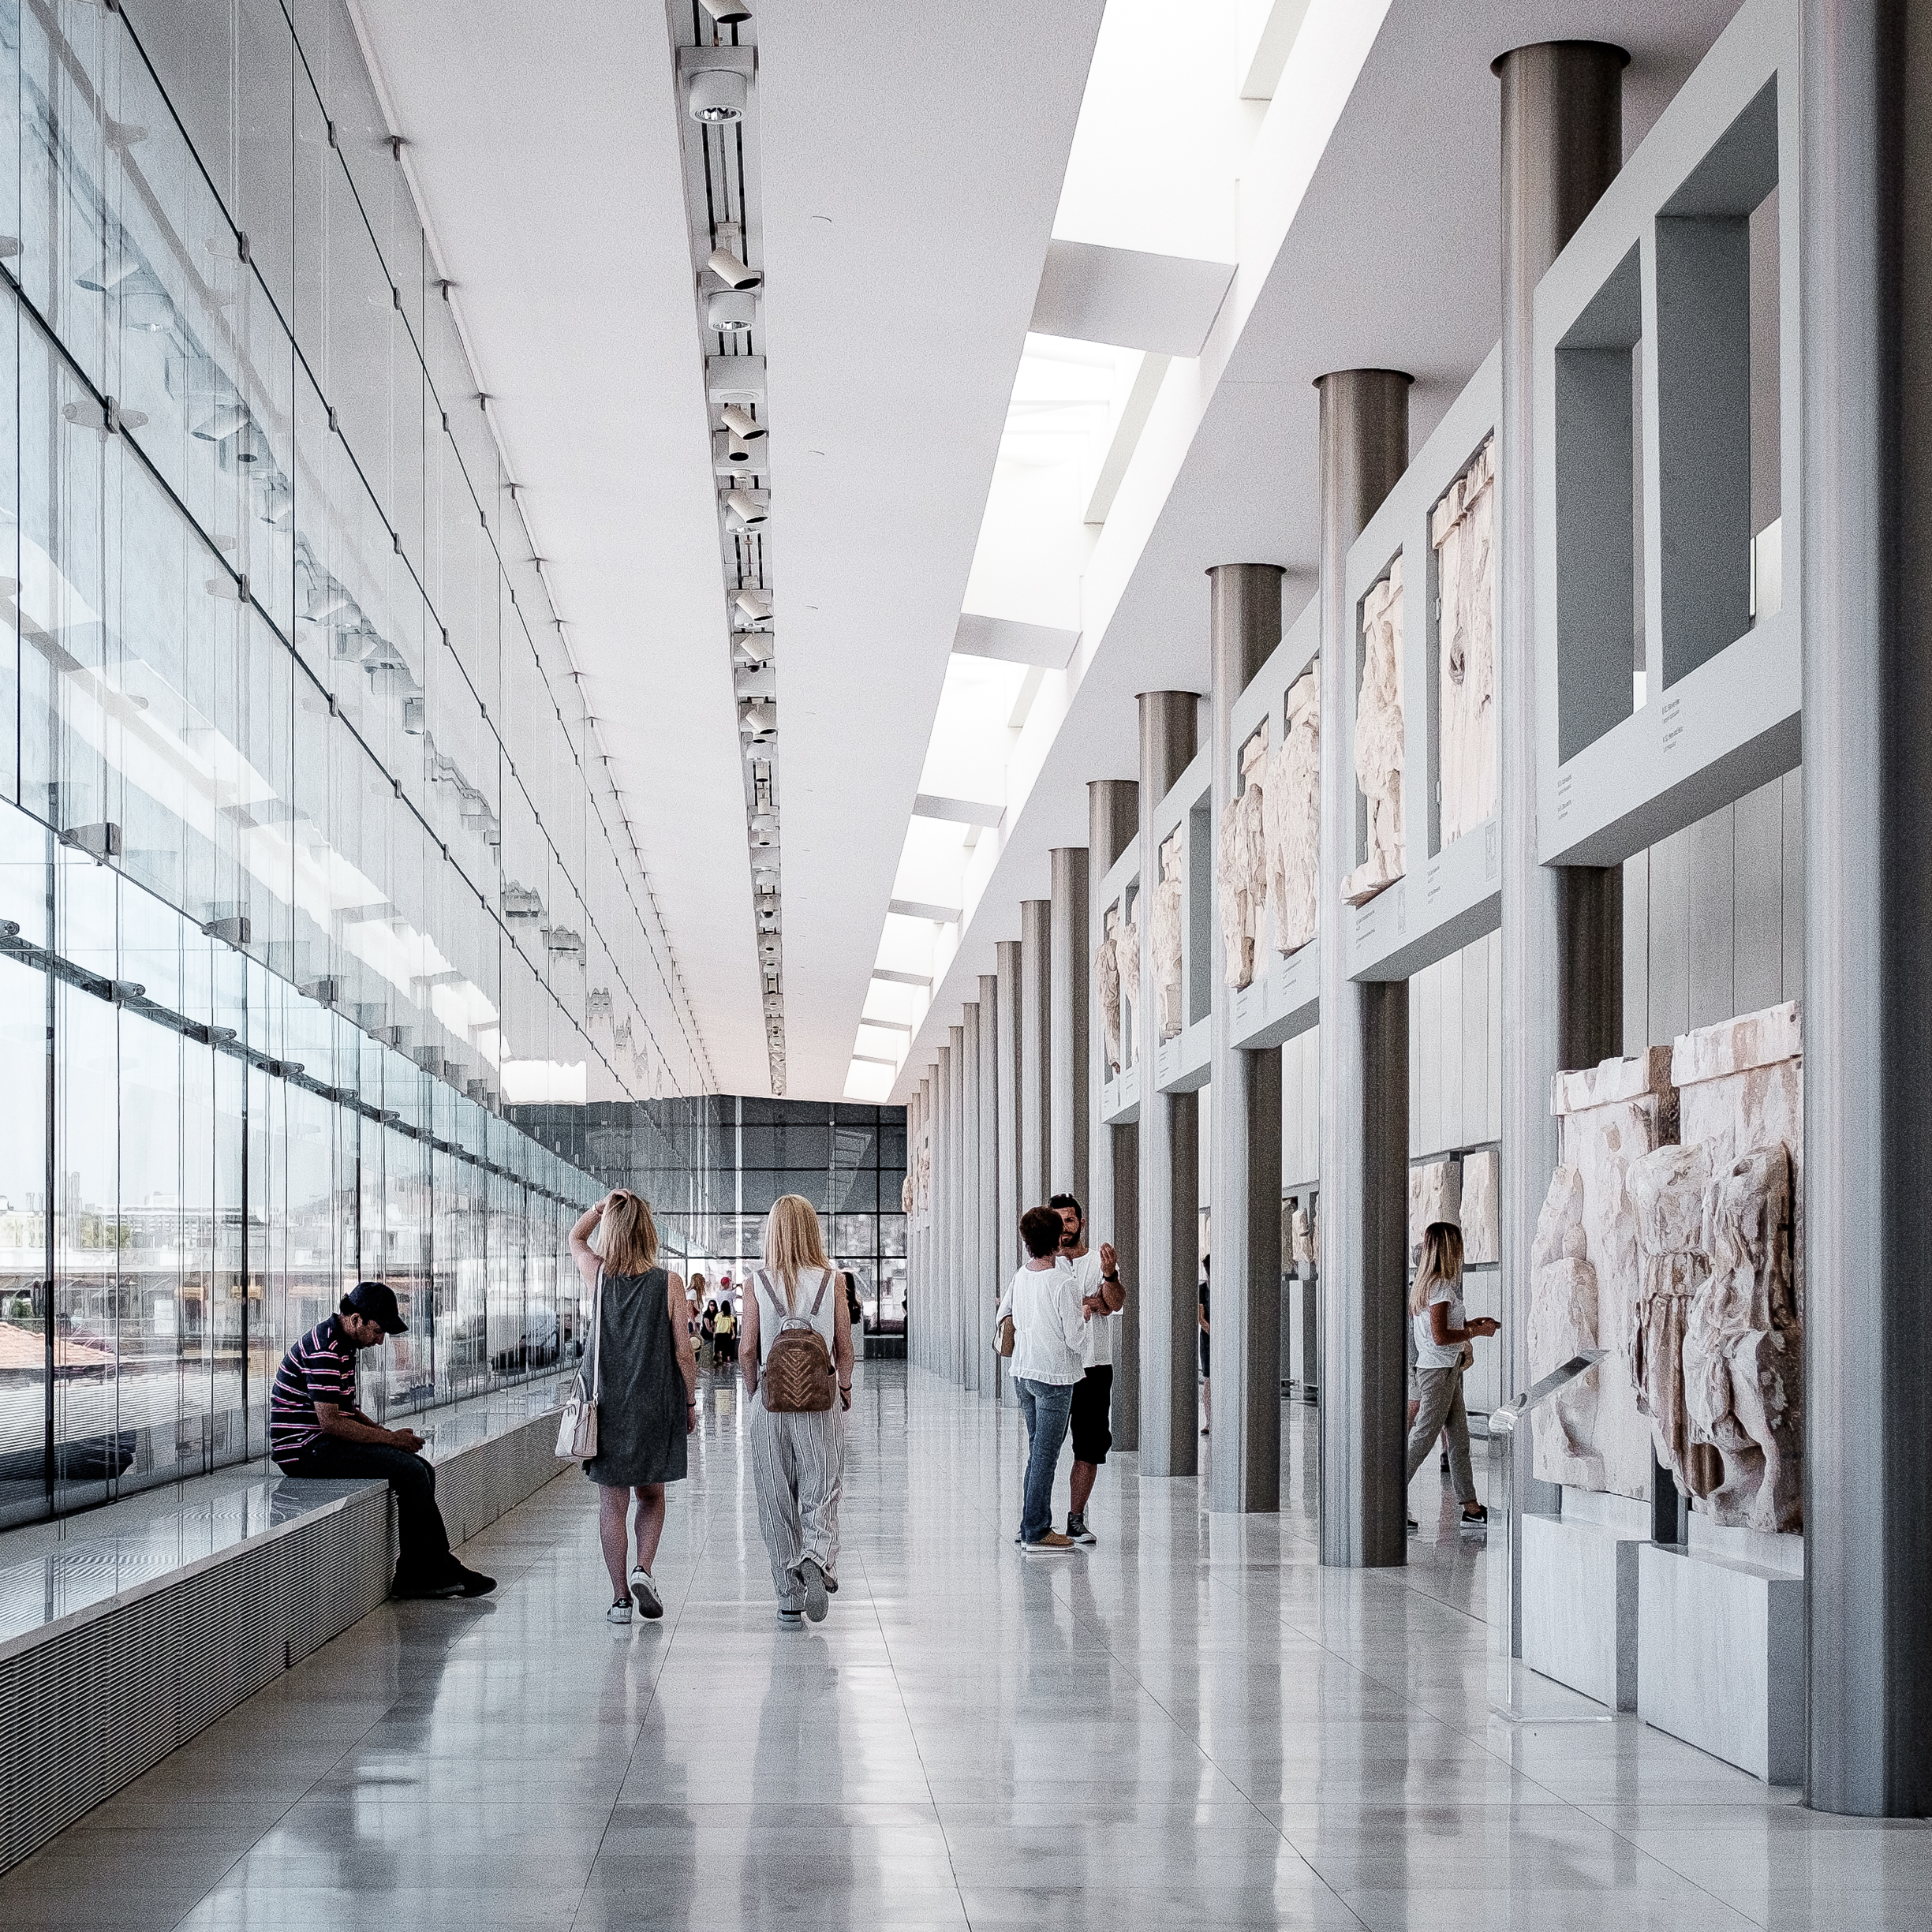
1191	1725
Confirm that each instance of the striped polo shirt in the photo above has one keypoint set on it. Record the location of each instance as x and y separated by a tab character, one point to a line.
321	1367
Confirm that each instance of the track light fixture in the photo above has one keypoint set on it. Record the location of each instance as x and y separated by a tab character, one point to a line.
731	312
740	423
733	272
737	450
752	647
754	603
717	96
752	508
726	13
756	717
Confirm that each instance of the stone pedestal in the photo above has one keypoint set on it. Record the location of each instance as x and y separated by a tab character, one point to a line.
1580	1594
1720	1653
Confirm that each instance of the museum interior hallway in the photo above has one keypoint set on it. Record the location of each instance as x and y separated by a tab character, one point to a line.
1191	1724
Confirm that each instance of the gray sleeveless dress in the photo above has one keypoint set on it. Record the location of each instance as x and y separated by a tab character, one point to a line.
640	1429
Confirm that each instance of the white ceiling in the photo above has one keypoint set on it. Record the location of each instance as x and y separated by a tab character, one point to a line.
1392	259
911	159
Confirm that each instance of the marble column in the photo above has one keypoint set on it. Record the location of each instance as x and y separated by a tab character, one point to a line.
1560	949
1006	1038
1365	1040
1070	974
970	1269
986	1206
1036	1050
1866	497
1170	1125
1112	1199
955	1187
915	1237
1244	1150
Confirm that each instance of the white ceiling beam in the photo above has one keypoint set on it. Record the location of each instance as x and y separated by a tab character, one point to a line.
1129	300
958	811
1013	643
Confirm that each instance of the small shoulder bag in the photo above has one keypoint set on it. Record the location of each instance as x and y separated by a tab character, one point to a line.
577	1427
798	1377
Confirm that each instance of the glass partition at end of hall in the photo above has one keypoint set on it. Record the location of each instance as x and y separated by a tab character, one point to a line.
307	879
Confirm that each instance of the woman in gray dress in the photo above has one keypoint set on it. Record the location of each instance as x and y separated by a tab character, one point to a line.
646	1378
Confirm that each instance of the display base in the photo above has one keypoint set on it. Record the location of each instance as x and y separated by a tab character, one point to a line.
1580	1595
1720	1661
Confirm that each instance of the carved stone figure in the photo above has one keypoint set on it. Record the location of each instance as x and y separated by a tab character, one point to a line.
1107	984
1291	808
1667	1190
1480	1242
1301	1243
1170	930
1462	531
1435	1194
1379	757
1562	1322
1241	864
1127	951
1742	1374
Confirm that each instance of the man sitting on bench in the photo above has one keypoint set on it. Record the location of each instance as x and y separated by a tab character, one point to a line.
316	1429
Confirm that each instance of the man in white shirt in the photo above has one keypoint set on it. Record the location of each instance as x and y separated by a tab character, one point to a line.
1097	1277
1049	1324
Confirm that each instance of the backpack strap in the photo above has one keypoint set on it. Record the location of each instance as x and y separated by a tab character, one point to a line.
822	1287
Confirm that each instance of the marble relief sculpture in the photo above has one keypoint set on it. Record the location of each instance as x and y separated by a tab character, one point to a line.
1107	984
1170	930
1481	1241
1435	1194
1301	1242
1682	1192
1462	531
1379	755
1291	811
1127	952
1241	865
1562	1322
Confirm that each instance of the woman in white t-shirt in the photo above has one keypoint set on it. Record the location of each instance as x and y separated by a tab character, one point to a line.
1442	1337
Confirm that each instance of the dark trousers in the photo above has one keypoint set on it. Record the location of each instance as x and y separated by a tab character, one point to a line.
425	1553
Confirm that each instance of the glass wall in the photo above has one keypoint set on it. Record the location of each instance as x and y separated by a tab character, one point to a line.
308	860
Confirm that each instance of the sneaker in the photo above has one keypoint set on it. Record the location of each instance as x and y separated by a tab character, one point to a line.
1477	1524
816	1602
619	1612
831	1583
1415	1529
411	1589
644	1593
1078	1530
1052	1540
790	1619
473	1582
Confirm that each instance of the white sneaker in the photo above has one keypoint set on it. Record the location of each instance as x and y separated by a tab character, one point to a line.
619	1613
644	1593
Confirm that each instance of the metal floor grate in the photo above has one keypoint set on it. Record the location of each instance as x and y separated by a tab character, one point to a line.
90	1710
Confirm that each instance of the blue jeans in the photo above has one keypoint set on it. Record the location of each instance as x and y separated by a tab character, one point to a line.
1046	1407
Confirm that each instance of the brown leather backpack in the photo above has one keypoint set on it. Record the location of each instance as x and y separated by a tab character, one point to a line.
798	1378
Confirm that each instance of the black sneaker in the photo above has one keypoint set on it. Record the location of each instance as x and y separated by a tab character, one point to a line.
1077	1529
412	1588
472	1582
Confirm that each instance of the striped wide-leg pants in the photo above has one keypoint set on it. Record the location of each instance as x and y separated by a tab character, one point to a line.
796	1462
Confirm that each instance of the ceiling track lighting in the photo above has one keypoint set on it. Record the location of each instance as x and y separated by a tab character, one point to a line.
753	603
731	312
717	96
726	13
752	508
740	423
725	264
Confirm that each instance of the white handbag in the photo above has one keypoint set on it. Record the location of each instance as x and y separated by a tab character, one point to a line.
577	1427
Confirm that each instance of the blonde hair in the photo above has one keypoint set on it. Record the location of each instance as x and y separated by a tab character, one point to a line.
630	1236
1442	1261
792	1242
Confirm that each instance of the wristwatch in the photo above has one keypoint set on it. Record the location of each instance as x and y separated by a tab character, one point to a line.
1114	1277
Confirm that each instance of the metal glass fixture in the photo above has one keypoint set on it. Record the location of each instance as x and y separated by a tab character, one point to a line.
717	95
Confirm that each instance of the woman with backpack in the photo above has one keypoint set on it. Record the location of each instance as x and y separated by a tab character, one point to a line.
645	1378
797	1370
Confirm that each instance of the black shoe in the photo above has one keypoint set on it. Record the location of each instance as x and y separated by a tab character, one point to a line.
473	1582
1444	1465
831	1583
411	1589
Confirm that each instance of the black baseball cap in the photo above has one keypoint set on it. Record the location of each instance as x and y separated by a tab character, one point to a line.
376	1300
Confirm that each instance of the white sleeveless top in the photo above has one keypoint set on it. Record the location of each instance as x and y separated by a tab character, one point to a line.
771	1309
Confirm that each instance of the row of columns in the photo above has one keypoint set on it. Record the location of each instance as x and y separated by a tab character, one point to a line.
1866	350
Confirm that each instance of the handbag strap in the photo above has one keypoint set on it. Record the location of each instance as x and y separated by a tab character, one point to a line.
596	1339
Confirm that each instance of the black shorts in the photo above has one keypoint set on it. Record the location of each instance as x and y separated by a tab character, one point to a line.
1093	1395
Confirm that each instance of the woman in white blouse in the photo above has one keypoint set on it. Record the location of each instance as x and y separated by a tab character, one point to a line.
1049	1323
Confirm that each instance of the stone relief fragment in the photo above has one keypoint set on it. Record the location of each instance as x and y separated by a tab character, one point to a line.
1107	985
1435	1194
1379	757
1742	1367
1127	952
1564	1321
1241	864
1170	931
1462	530
1301	1242
1481	1242
1667	1192
1291	803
